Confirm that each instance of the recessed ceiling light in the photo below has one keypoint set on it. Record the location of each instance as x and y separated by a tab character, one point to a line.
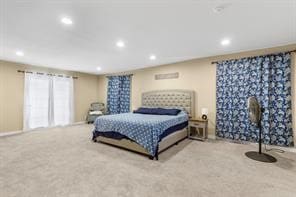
225	42
99	68
152	57
19	53
218	9
120	44
67	21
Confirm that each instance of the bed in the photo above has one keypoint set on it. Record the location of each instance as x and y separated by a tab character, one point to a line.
148	134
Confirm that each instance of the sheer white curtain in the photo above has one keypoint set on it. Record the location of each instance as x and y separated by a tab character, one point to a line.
48	101
62	101
36	101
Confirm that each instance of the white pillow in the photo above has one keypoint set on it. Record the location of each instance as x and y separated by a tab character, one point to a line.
96	113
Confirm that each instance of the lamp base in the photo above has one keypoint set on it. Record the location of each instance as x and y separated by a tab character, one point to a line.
260	157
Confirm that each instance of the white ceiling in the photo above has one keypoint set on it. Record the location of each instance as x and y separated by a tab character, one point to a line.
173	30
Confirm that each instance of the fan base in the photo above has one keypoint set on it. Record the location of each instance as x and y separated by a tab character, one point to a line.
260	157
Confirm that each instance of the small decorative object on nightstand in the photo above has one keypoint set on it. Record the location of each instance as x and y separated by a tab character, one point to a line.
198	129
204	113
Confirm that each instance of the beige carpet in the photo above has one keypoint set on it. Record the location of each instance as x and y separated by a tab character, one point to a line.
64	162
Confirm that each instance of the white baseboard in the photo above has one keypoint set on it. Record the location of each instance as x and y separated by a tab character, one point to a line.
2	134
286	149
274	147
8	133
212	137
78	123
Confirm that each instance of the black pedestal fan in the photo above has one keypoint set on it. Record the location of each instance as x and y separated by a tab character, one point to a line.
255	117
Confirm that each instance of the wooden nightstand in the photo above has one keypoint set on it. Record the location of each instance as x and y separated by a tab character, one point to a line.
198	129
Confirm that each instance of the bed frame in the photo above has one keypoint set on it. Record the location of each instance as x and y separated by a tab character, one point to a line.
160	98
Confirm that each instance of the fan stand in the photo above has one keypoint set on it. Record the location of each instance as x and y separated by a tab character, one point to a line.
259	156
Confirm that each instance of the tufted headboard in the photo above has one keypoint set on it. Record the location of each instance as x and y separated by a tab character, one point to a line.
170	98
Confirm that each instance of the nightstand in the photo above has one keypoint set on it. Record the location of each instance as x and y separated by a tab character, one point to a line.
198	129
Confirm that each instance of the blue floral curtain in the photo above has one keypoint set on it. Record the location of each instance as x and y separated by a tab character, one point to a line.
269	79
118	96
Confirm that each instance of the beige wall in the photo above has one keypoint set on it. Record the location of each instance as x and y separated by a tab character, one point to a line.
86	91
198	75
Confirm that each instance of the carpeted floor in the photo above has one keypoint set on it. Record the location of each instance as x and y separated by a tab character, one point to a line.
64	162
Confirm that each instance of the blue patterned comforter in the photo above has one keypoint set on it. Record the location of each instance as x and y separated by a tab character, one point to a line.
142	128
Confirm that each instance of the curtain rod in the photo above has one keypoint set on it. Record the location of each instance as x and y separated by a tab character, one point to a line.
119	75
49	74
215	62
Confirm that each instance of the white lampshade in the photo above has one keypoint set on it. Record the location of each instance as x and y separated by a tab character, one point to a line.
204	111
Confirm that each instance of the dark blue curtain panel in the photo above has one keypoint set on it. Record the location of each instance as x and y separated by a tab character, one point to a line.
268	78
118	95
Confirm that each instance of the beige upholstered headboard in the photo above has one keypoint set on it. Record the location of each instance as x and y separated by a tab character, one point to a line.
170	98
